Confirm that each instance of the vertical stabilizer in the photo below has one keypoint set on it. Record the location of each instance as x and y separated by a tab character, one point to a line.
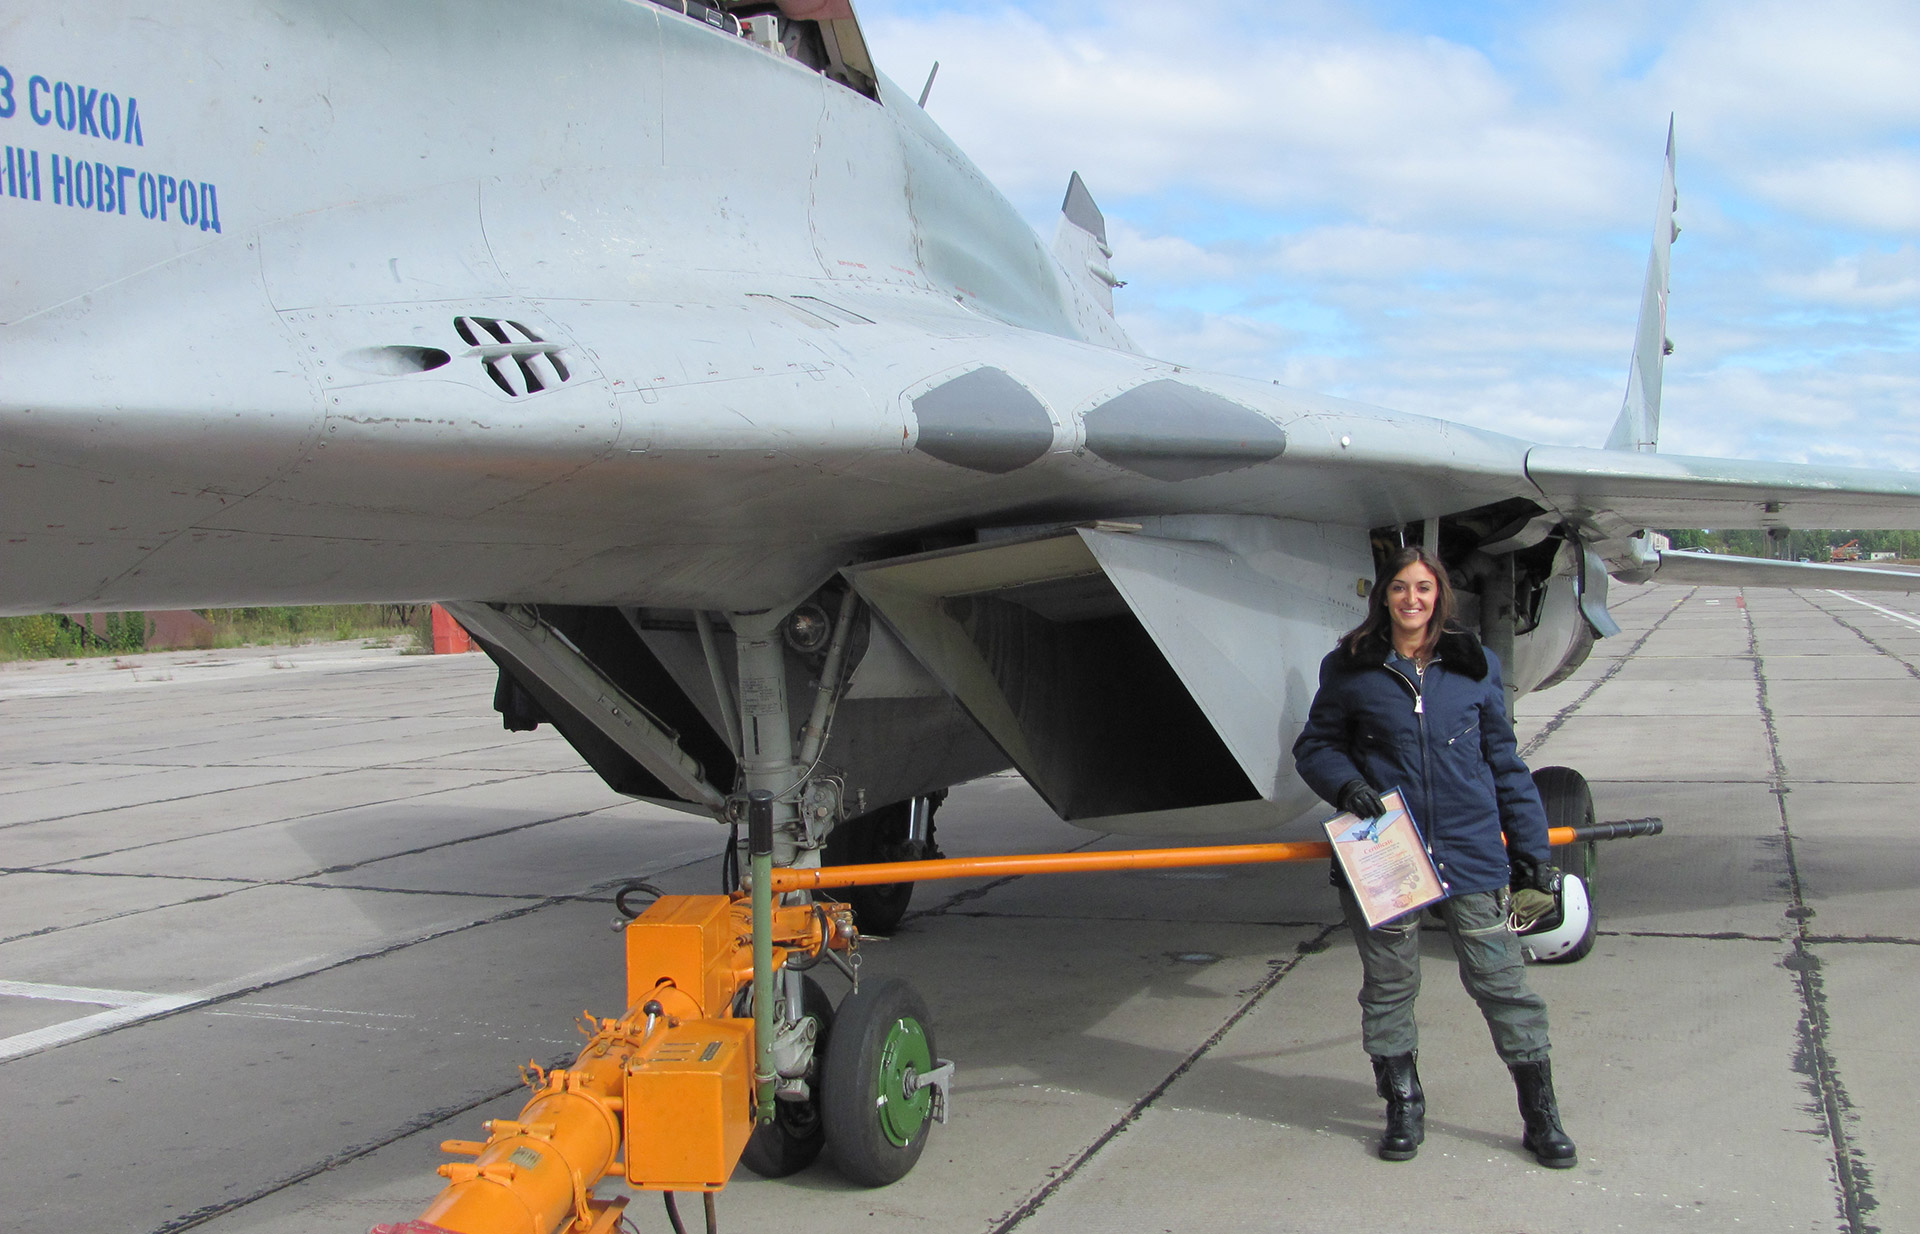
1638	427
1081	248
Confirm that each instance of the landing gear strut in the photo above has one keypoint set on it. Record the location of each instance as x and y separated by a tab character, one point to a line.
899	832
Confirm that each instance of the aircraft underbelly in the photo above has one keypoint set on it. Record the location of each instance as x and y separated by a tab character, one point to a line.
1150	679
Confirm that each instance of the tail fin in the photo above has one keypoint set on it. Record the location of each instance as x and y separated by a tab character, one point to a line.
1638	427
1080	243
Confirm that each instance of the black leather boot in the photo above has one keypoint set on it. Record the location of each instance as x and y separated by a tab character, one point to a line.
1541	1114
1398	1080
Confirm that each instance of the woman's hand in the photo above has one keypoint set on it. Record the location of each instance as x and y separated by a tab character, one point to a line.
1358	799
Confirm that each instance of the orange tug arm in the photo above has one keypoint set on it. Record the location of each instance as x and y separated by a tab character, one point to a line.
785	880
535	1174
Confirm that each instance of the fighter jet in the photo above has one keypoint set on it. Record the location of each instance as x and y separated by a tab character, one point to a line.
742	421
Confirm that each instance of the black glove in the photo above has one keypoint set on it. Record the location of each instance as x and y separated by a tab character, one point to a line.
1358	799
1535	887
1529	875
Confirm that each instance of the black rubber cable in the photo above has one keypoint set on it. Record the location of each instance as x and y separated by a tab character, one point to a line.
713	1222
673	1213
634	887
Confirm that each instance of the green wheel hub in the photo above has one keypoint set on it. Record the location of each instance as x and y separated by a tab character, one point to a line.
904	1054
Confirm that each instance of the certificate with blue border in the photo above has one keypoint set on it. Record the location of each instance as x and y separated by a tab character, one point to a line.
1385	861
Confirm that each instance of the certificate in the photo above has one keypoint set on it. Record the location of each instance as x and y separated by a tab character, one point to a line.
1385	862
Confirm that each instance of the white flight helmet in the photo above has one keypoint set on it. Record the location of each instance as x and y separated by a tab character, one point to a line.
1566	932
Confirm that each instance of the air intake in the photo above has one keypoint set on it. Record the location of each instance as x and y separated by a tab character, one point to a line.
517	360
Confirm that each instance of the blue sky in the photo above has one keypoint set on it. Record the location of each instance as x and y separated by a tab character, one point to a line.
1446	209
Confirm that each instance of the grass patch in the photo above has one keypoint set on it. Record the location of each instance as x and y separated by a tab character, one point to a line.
56	636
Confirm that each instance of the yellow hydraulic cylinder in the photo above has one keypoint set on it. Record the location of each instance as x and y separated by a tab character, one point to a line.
669	1084
536	1174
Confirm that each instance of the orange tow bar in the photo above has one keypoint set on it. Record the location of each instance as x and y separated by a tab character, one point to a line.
785	880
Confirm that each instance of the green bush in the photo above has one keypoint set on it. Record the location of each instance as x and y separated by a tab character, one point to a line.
48	636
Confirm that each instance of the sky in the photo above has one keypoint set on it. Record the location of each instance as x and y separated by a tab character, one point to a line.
1447	208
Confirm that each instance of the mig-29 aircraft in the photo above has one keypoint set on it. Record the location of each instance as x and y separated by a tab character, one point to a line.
748	429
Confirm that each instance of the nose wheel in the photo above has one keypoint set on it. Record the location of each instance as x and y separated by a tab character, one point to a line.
882	1084
796	1135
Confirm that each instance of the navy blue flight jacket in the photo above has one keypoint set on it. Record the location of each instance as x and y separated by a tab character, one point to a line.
1444	741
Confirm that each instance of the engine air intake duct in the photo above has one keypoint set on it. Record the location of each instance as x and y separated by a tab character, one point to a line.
1039	644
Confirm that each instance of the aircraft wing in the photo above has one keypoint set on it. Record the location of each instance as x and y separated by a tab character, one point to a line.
1616	495
1721	570
1616	488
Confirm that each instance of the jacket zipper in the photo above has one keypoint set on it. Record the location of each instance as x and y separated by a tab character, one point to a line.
1426	769
1426	772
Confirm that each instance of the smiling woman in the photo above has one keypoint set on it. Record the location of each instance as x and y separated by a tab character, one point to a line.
1406	704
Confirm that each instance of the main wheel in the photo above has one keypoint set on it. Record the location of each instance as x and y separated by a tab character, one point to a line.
796	1135
879	835
1569	803
882	1038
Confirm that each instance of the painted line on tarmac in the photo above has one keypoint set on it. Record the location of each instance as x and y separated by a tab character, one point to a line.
155	1006
124	1007
74	993
1909	618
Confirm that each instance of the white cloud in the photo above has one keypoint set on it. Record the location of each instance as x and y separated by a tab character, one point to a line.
1880	190
1871	278
1393	215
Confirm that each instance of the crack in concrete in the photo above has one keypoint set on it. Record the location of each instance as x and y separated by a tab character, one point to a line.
1566	713
271	822
298	880
200	1216
974	893
1278	973
1814	1059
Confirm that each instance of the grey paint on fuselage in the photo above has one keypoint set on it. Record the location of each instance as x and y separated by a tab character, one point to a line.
983	420
1172	431
742	321
189	401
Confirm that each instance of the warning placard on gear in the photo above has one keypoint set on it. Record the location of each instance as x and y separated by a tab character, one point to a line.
1385	861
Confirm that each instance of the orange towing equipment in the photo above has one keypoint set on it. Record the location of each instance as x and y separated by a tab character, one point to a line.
668	1095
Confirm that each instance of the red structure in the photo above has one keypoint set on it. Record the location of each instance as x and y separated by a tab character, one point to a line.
449	636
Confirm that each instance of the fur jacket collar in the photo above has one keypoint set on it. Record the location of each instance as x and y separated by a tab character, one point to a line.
1460	651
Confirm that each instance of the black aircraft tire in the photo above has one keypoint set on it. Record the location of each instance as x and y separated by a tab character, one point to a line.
874	1135
794	1138
879	835
1569	803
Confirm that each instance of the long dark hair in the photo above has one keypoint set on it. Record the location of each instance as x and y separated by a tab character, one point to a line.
1379	624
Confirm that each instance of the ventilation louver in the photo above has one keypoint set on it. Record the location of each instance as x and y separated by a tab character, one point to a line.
517	360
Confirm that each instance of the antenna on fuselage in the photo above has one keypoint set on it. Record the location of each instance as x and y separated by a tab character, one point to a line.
928	88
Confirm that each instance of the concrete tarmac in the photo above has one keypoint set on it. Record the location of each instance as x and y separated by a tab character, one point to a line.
274	923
